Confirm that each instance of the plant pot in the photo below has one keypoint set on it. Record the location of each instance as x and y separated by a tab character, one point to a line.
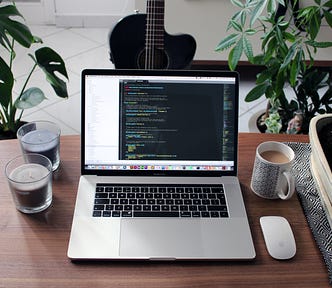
254	122
320	134
7	135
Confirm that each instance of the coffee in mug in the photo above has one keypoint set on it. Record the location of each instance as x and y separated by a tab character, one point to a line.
271	177
274	156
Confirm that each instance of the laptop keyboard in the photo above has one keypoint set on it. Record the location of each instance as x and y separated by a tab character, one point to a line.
160	201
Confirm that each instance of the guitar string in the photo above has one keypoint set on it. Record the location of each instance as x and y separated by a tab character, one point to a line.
154	9
152	34
149	64
150	40
147	35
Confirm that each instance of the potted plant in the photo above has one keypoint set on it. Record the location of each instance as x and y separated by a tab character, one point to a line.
296	90
13	33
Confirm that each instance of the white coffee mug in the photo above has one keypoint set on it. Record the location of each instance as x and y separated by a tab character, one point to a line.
271	176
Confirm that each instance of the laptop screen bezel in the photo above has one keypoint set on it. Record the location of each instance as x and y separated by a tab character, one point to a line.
184	73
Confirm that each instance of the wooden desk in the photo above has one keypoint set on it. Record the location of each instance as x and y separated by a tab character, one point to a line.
33	247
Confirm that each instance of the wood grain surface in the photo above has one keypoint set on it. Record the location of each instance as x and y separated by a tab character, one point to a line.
33	248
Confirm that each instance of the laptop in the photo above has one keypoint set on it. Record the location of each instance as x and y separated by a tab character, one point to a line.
159	168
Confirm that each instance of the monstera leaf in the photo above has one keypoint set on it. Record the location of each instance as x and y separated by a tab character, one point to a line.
6	84
51	63
15	29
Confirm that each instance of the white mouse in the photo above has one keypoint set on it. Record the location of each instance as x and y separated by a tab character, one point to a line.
278	236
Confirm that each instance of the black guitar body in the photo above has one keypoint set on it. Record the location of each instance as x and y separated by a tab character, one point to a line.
127	46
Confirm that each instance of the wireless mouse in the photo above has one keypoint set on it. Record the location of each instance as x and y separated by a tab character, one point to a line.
278	236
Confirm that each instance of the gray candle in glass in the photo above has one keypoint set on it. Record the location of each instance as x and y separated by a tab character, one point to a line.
30	183
41	137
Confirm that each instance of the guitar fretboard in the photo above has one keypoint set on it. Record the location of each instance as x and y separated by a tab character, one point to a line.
154	30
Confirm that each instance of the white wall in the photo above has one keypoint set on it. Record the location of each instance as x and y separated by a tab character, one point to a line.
95	13
36	11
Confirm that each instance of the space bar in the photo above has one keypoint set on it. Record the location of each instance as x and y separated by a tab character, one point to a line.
155	214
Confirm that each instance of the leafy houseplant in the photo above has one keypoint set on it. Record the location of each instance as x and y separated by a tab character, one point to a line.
12	33
288	47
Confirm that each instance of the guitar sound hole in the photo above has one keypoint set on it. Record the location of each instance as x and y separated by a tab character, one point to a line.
156	59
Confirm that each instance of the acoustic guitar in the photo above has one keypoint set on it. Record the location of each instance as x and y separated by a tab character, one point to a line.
140	41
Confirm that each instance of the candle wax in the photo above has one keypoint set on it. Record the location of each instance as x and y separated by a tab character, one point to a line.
43	142
31	185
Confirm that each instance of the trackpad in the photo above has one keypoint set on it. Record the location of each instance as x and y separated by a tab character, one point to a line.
161	238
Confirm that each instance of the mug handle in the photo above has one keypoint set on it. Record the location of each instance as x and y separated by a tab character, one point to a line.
290	185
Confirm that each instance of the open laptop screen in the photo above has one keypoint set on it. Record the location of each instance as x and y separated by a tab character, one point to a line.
159	122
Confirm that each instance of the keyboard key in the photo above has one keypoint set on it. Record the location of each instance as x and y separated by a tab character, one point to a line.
156	214
155	207
98	207
196	214
115	201
102	201
108	189
126	214
147	208
137	207
101	195
116	214
107	214
215	208
118	207
175	208
164	208
128	207
184	208
193	208
109	207
99	189
185	214
205	214
97	213
214	214
224	214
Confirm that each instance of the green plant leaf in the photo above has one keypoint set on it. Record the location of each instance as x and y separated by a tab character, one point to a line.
289	56
328	4
247	48
265	75
295	68
51	62
271	6
235	54
236	26
290	37
257	11
280	83
314	25
328	17
20	32
227	42
30	98
237	3
6	84
258	59
319	44
256	92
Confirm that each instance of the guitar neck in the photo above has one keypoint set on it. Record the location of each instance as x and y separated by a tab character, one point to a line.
155	24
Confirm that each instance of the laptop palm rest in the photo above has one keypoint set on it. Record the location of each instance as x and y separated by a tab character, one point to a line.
181	239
